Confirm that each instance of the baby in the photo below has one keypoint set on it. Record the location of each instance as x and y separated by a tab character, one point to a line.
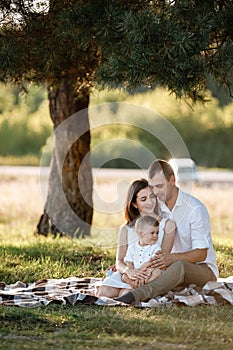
138	255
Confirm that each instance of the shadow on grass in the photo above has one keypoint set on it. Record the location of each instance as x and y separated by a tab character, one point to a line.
96	327
52	260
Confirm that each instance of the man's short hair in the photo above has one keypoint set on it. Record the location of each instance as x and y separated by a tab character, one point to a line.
145	220
160	165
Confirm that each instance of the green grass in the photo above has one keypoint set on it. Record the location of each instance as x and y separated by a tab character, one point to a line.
26	257
94	327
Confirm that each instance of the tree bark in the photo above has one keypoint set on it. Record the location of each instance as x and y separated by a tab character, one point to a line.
68	208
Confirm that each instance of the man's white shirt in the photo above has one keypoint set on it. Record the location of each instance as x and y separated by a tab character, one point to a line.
192	227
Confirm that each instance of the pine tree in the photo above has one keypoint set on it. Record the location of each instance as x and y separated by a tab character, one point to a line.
70	44
180	45
44	44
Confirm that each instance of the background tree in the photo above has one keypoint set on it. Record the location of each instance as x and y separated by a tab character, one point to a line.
68	43
38	43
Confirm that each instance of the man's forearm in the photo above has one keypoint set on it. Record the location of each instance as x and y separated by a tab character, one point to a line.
193	256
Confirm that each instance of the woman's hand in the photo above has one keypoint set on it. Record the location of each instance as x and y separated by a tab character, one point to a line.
139	282
162	259
134	283
135	277
136	274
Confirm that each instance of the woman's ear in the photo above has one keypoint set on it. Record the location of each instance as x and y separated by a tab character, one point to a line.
134	205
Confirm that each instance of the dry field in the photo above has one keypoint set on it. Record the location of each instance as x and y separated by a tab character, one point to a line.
21	202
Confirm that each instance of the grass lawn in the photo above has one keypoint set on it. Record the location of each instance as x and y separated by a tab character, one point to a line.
26	257
94	327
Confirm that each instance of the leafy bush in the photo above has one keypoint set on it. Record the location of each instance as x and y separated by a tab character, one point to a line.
206	129
24	121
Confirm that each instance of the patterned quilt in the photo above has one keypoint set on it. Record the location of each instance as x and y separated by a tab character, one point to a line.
75	291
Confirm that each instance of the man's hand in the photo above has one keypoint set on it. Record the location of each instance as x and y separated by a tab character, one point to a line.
162	259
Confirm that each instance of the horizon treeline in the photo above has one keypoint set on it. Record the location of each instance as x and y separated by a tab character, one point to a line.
118	139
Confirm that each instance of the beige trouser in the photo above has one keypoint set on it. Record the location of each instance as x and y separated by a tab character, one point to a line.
180	273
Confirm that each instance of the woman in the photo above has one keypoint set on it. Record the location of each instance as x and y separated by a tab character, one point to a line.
140	200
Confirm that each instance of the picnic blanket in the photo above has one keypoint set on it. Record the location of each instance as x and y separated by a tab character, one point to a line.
75	291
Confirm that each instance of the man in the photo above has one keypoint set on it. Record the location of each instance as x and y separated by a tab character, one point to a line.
192	259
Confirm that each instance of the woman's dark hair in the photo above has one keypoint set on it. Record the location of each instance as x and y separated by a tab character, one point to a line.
131	212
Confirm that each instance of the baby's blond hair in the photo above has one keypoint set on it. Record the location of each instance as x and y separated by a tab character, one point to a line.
143	221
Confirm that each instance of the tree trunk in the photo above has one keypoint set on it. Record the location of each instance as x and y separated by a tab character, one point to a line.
68	208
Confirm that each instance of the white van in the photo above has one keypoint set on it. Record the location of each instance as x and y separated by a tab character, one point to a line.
185	170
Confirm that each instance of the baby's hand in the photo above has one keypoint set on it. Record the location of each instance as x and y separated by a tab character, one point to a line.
145	266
